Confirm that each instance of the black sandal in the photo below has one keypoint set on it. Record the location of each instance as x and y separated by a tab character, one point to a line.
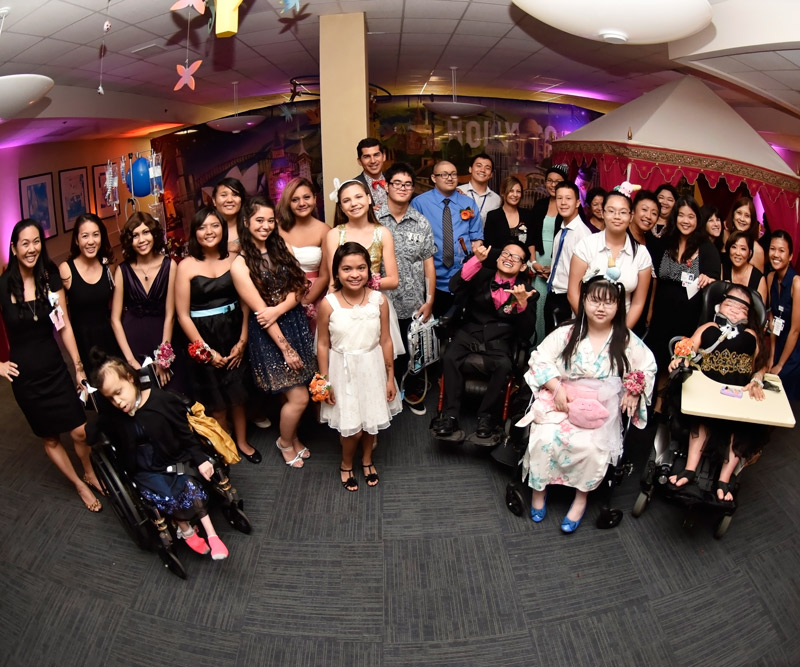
688	475
351	484
725	488
371	478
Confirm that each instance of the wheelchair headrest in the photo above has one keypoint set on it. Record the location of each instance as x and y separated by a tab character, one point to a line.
712	296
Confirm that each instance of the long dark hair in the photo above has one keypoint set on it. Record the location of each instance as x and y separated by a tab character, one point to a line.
339	217
604	289
288	276
126	238
105	251
706	213
195	249
285	216
42	270
671	190
672	235
349	248
235	185
741	203
616	193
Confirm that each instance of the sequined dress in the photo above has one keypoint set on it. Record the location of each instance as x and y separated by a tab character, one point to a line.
356	370
270	372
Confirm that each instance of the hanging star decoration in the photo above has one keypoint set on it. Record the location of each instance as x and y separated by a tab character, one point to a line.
286	5
292	22
199	5
286	112
185	73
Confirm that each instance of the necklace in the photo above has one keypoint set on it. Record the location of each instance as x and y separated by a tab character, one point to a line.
353	305
145	271
33	310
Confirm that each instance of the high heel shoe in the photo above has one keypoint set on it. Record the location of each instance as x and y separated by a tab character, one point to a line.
255	457
297	459
538	515
568	526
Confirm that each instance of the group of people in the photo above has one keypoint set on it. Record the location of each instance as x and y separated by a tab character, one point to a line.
272	301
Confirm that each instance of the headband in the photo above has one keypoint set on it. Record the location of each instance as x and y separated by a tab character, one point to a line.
334	196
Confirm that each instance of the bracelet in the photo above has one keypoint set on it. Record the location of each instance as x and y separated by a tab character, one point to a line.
757	380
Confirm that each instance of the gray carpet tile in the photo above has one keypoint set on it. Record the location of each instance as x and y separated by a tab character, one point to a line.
449	588
720	622
289	650
23	589
568	576
317	590
512	650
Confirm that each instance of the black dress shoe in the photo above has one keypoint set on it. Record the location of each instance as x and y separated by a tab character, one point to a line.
485	427
445	426
255	457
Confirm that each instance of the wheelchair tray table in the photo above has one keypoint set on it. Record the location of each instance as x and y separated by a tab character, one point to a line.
701	396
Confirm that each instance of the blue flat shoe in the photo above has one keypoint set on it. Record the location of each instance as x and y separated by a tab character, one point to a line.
537	516
568	526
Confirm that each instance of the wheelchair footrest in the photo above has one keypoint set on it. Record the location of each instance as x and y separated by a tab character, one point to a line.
492	441
455	436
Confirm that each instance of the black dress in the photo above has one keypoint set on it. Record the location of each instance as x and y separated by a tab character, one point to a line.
753	281
89	314
498	234
44	388
217	388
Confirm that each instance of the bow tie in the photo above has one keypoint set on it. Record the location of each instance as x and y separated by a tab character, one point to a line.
380	181
496	286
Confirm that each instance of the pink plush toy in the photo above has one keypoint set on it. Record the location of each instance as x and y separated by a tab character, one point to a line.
585	411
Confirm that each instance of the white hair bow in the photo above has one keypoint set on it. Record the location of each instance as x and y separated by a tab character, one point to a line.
337	184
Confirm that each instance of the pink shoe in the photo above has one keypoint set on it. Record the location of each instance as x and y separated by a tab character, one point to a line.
218	550
194	542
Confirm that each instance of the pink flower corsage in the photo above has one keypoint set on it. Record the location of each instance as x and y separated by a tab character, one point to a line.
311	310
375	281
634	383
164	354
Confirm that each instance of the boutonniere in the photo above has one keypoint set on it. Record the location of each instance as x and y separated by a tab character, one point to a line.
467	213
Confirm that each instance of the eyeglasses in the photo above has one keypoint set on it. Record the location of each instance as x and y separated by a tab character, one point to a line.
614	212
507	255
552	181
401	186
452	174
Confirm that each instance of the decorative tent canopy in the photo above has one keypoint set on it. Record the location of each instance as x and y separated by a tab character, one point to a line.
683	129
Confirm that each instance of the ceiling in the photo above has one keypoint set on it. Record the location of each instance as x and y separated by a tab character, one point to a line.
498	49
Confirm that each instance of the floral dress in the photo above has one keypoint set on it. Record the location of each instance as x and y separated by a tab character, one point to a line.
558	451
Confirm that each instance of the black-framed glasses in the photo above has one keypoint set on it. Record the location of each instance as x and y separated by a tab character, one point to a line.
451	174
509	255
399	185
551	181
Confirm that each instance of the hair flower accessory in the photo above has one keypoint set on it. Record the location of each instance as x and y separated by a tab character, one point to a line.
200	352
164	354
319	388
634	383
467	213
627	188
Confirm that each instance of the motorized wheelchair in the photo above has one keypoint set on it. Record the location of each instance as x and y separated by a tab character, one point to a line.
145	524
669	450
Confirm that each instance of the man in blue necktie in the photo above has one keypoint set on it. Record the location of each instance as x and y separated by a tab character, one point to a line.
573	229
453	218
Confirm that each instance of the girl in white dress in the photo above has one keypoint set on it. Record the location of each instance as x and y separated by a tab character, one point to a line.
583	375
354	352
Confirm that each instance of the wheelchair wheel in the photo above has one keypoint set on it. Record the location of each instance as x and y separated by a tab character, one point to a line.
642	501
722	526
171	561
515	500
122	501
234	514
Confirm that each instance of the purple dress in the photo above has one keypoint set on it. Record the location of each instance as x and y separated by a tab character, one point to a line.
143	312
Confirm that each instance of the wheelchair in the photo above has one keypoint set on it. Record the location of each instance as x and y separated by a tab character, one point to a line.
145	524
668	453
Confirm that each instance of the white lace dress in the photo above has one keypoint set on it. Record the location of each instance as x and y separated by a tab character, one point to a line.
356	370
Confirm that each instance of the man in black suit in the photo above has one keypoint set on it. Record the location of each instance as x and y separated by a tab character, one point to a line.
500	306
371	156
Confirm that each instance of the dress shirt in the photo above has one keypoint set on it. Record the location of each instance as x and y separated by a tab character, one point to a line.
577	232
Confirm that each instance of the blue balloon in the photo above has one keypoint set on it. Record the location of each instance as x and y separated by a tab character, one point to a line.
139	173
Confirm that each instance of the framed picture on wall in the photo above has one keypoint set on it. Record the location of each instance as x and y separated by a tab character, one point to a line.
74	188
36	201
99	179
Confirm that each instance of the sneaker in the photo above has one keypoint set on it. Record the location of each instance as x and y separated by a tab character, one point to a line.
416	405
263	423
194	541
485	427
218	550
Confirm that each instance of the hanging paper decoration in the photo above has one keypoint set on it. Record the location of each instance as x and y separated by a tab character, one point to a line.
185	74
286	112
199	5
286	5
156	184
112	186
291	23
227	17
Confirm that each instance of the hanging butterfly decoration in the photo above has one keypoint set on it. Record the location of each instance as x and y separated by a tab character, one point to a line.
286	112
292	22
186	74
287	5
199	5
186	71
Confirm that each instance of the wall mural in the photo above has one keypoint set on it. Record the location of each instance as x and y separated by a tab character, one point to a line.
517	135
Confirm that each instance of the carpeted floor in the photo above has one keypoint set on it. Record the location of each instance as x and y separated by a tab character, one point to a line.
429	568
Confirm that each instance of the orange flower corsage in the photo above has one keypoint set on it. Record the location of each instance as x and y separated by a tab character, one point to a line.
683	349
467	213
320	388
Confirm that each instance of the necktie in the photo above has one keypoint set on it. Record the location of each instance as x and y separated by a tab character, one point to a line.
448	251
379	182
564	231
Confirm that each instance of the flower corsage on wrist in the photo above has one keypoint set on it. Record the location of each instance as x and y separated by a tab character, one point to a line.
200	352
683	349
320	388
375	281
634	383
164	354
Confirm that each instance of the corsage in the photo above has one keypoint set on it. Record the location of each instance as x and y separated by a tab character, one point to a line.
683	349
320	388
467	213
56	313
164	354
311	310
200	352
634	383
375	281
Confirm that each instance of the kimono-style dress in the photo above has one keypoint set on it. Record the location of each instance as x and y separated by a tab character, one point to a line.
560	452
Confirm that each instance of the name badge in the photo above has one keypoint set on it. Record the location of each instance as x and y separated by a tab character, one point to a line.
57	318
777	325
686	278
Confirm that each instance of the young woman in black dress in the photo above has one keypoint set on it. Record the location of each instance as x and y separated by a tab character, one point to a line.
32	302
89	285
